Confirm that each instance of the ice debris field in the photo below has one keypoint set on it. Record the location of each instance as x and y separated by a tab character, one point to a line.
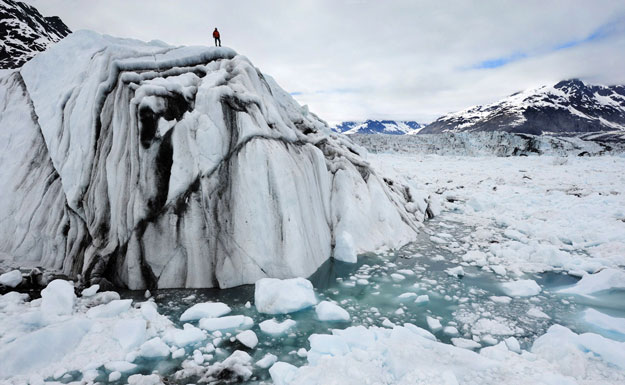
518	279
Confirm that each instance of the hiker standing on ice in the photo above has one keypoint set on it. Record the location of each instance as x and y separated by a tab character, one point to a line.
217	38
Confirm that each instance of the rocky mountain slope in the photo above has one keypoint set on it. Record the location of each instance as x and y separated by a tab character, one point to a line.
24	32
567	107
391	127
155	166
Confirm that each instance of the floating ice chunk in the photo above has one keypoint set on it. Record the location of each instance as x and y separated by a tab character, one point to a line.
58	298
592	283
450	331
274	327
198	358
521	288
465	343
605	321
42	347
181	338
563	347
120	366
114	376
420	331
498	269
397	277
205	310
90	291
282	373
265	362
475	256
148	311
178	353
537	313
111	309
145	379
326	345
500	299
227	322
248	338
344	250
457	271
422	299
130	333
513	345
301	352
11	279
406	296
488	339
406	272
154	348
387	323
281	296
491	326
328	311
433	324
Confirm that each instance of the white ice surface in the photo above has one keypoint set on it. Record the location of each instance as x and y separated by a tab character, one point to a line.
593	283
281	296
11	278
271	326
361	355
205	310
226	322
521	288
248	338
328	311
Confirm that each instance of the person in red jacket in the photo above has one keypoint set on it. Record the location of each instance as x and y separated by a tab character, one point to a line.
217	38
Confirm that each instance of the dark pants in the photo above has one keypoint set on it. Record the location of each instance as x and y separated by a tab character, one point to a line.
217	40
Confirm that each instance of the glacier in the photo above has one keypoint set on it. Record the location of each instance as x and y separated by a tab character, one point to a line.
151	166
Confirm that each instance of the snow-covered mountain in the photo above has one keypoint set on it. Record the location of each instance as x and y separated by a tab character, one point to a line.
157	166
567	107
391	127
24	32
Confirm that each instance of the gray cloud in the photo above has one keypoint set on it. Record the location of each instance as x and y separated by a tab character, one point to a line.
356	59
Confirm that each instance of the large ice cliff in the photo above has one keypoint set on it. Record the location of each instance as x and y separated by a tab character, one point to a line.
156	166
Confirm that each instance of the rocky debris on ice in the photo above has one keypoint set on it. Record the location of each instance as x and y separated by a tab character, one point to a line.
282	296
590	284
328	311
236	368
205	310
11	278
520	288
273	327
219	152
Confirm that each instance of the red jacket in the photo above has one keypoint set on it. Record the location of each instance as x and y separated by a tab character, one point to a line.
216	34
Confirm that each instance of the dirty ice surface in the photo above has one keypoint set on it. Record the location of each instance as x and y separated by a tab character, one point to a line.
515	281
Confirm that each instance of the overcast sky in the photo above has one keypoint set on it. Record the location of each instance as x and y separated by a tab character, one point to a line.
397	59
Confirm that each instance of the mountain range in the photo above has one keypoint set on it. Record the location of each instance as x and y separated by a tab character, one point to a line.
24	32
570	106
391	127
